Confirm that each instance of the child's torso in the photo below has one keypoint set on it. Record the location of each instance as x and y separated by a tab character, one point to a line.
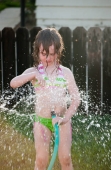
53	96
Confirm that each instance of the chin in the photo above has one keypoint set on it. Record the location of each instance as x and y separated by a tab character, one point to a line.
49	63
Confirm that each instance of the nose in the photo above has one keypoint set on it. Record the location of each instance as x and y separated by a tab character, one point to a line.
48	58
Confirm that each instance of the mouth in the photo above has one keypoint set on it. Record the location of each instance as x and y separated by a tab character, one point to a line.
48	61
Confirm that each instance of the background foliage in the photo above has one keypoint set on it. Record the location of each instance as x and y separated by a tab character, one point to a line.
30	4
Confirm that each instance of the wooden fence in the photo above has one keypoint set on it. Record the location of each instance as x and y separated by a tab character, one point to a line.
88	54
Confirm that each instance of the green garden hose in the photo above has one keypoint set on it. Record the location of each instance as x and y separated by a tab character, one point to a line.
56	143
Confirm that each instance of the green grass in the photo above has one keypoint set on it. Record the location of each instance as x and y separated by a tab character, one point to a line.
91	143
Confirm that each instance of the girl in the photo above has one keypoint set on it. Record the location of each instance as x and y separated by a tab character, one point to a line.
55	88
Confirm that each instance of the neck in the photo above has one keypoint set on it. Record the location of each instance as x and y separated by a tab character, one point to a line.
49	66
50	69
46	65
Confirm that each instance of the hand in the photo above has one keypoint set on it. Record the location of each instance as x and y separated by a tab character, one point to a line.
40	79
59	120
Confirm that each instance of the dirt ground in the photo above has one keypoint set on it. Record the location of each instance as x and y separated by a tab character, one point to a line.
17	152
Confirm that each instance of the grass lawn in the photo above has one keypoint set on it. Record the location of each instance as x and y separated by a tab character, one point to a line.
16	151
91	143
91	147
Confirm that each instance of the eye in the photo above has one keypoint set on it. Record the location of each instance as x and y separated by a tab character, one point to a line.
52	54
44	54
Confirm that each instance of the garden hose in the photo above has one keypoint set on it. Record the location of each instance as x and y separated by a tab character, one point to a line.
56	143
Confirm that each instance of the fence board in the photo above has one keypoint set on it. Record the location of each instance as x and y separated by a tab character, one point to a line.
66	35
33	32
79	59
94	69
23	59
0	65
22	38
107	70
8	51
8	64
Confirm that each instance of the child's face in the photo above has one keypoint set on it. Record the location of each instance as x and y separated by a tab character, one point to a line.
50	59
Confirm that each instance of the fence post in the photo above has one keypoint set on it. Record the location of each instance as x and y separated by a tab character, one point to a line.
22	40
79	62
107	70
66	35
33	32
94	69
8	65
0	65
8	51
23	61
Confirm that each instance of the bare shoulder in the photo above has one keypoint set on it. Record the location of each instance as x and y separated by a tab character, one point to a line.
66	71
29	70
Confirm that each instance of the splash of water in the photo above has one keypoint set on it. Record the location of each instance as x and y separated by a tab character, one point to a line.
18	108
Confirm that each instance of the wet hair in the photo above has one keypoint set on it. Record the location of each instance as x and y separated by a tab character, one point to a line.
47	37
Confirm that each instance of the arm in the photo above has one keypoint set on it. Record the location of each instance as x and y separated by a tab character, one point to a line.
74	92
75	95
27	75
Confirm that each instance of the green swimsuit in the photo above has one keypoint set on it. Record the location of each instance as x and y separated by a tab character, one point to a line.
45	121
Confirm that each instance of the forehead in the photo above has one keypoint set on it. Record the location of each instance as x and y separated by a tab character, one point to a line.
51	48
